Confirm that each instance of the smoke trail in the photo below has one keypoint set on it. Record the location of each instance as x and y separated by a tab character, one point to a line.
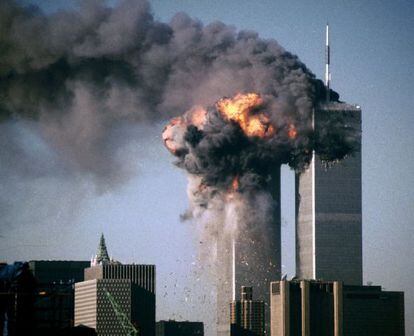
82	73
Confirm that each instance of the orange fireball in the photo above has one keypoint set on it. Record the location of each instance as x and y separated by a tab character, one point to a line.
233	189
240	109
197	116
235	184
292	131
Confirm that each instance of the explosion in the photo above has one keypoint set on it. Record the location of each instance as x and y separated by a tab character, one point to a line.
235	184
241	109
195	117
232	151
236	144
292	132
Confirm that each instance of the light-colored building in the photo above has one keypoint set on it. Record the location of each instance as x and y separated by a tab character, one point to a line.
329	206
114	296
93	308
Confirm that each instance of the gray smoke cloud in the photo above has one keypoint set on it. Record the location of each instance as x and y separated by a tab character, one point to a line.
81	74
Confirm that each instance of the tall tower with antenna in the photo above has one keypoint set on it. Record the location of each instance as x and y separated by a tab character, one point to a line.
329	201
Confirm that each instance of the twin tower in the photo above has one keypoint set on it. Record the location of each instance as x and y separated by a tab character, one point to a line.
329	203
328	211
328	223
328	226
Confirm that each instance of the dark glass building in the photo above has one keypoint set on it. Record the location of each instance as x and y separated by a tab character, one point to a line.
247	316
17	295
306	308
54	301
179	328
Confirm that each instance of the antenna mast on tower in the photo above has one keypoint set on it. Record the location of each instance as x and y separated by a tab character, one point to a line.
327	63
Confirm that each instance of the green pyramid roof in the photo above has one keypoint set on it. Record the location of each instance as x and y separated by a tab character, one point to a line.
102	256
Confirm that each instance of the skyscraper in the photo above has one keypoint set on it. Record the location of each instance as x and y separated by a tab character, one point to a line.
252	259
304	308
332	301
17	294
247	316
329	203
179	328
115	297
54	300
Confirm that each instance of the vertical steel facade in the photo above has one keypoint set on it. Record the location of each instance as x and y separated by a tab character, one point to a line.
257	260
142	275
323	308
329	209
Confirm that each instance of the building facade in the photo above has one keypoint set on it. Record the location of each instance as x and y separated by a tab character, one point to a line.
94	309
254	259
179	328
115	297
141	275
17	296
57	271
308	308
329	207
247	316
54	300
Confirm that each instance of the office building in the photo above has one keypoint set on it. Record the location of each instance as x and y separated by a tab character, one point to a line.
17	295
54	300
111	306
329	199
179	328
247	316
329	210
116	297
253	259
57	271
141	275
332	302
306	308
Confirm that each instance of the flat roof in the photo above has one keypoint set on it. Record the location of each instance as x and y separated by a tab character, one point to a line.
338	106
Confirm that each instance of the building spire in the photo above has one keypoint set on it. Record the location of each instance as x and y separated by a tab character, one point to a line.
102	256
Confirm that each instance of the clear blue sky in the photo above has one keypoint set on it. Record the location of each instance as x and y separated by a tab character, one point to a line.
372	65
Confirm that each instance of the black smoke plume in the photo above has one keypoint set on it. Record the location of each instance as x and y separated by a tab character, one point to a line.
82	73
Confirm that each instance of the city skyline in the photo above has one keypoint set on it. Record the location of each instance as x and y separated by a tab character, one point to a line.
357	79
